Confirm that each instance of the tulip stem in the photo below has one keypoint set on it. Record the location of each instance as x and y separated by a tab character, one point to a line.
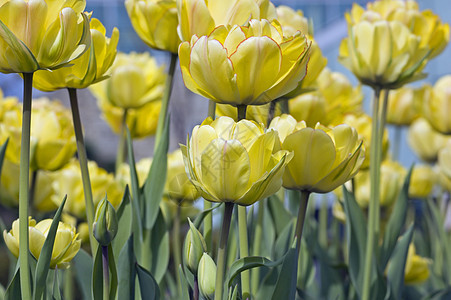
196	288
241	112
24	192
271	112
83	160
374	206
165	100
397	143
211	109
177	250
219	284
208	221
256	246
301	220
121	149
34	178
244	251
106	273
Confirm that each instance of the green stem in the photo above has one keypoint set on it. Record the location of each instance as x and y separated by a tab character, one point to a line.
24	176
211	109
222	250
83	160
208	221
271	112
121	147
68	285
301	220
165	100
106	273
284	105
177	249
34	178
256	249
374	206
196	288
244	251
241	112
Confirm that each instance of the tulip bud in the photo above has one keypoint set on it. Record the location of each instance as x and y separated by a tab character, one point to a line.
206	275
105	225
194	247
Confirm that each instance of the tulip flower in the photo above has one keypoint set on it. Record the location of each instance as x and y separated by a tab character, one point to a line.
417	267
422	181
234	162
324	158
41	34
201	17
178	187
437	107
444	160
89	68
425	141
404	105
206	275
156	22
194	247
66	244
105	223
253	64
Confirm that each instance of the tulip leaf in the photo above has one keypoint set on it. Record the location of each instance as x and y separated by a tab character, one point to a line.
43	265
284	240
147	284
395	223
247	263
97	275
395	271
13	290
127	272
441	294
156	179
184	283
285	287
356	232
113	273
2	292
124	217
137	226
56	293
2	154
82	263
201	216
279	213
159	248
233	293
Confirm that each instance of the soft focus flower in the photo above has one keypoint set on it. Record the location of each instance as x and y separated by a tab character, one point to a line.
444	159
425	141
437	107
41	34
89	68
324	158
253	64
67	181
206	276
201	17
135	80
156	22
422	181
234	162
257	113
309	107
193	248
142	170
65	247
178	187
52	134
417	267
404	105
363	123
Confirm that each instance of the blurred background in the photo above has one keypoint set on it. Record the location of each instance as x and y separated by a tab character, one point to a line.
188	109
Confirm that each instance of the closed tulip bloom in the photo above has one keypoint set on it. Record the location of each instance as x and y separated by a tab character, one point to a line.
52	134
257	113
135	80
404	105
425	141
206	276
89	68
422	181
417	267
178	187
437	107
67	181
444	160
41	34
201	17
253	64
65	247
323	158
155	21
234	162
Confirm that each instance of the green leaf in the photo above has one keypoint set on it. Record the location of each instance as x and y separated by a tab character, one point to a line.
82	264
356	232
127	272
395	272
247	263
159	248
233	293
97	275
137	225
395	223
279	214
442	294
43	265
156	179
284	240
124	216
147	284
286	283
185	291
13	289
113	273
201	216
56	293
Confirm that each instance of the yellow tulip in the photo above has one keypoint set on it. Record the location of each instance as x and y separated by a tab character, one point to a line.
234	162
52	134
68	181
156	22
257	113
363	125
309	107
253	64
417	267
404	105
41	34
65	247
178	187
201	17
422	181
443	179
444	159
89	68
324	158
425	141
206	275
437	107
135	80
142	170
